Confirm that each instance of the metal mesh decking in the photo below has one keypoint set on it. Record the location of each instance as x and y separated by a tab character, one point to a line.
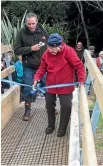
25	143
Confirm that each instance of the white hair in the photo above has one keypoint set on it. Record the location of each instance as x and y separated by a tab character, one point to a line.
101	53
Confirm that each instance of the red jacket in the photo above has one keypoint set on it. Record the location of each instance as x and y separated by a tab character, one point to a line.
98	62
60	69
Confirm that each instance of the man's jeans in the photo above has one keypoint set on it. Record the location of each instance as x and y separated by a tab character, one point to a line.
28	75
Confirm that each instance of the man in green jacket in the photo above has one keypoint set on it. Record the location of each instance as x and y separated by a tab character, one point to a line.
30	43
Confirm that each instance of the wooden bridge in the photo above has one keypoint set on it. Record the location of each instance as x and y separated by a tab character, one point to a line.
25	143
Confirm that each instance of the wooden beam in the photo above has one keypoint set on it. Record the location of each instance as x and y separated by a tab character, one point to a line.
9	104
88	146
74	147
6	48
98	78
7	71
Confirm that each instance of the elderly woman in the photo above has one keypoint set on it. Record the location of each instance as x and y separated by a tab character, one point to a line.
59	61
99	61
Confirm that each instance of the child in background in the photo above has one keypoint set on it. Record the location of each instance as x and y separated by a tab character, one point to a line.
19	70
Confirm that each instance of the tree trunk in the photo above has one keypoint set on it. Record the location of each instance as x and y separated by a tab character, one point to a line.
80	8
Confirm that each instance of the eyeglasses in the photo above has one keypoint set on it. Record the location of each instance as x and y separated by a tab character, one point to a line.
79	44
53	48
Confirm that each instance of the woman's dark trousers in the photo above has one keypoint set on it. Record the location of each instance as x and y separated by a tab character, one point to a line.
65	109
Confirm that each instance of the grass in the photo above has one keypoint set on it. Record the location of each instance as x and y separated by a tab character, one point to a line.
100	124
98	138
99	131
99	135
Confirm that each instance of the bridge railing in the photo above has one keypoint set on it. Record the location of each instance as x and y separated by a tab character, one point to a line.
11	98
84	152
97	78
81	144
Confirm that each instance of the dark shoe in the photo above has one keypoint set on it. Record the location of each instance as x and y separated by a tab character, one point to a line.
61	133
50	129
26	117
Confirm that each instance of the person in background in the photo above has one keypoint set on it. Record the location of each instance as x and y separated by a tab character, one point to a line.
30	43
2	68
4	85
91	49
79	49
19	70
19	74
11	58
59	61
99	61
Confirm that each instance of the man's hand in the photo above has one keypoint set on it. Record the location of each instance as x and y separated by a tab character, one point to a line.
35	47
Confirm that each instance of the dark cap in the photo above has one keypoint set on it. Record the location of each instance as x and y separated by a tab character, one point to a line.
54	40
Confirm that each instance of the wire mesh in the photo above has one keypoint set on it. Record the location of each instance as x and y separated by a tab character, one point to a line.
25	143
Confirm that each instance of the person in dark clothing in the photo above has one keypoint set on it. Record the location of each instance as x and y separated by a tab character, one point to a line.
59	61
30	43
91	49
80	50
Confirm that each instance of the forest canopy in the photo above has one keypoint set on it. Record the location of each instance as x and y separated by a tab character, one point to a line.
78	20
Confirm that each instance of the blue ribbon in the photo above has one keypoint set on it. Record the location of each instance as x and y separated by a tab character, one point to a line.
13	82
43	89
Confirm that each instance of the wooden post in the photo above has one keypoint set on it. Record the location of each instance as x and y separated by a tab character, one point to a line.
5	49
9	103
7	71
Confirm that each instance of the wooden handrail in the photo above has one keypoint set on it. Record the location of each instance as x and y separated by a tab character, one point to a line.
95	75
74	142
88	146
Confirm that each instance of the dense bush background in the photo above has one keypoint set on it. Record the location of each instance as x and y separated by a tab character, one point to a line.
61	16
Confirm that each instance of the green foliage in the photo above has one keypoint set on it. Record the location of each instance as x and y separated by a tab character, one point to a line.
46	10
8	31
58	28
53	12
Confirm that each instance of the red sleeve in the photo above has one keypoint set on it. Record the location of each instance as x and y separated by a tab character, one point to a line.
98	62
42	69
77	64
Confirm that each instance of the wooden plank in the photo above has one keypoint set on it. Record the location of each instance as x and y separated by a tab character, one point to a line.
9	104
88	147
6	48
98	78
7	71
74	153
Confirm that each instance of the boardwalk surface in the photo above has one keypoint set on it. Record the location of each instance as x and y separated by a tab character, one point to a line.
25	143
